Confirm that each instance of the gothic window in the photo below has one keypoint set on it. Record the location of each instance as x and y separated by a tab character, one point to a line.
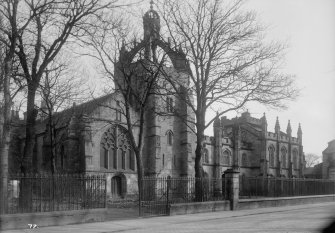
131	161
226	158
284	157
169	104
103	158
117	114
272	156
295	159
169	135
115	150
205	158
244	160
123	160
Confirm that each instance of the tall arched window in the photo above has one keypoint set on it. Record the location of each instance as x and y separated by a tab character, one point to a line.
295	158
244	160
284	157
169	135
272	156
169	104
205	158
115	150
226	158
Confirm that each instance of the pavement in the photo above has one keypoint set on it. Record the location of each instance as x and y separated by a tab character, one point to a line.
302	218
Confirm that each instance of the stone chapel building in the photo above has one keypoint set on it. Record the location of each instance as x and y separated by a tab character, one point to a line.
92	138
245	142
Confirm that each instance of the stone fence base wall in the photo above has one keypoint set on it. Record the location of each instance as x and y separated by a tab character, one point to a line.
245	204
57	218
199	207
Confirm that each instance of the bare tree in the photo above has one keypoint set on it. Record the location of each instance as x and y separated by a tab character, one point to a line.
312	159
229	62
59	89
7	52
42	29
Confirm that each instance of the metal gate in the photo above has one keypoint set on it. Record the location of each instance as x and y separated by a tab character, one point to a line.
159	193
155	197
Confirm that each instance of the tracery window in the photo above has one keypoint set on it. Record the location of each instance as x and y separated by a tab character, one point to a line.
272	156
115	150
284	157
169	104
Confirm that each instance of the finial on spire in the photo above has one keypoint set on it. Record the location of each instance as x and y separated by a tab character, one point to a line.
277	126
299	130
151	4
264	118
289	129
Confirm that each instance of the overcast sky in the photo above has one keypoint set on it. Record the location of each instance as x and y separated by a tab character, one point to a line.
309	27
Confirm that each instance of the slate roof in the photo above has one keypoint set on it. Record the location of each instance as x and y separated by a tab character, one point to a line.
86	108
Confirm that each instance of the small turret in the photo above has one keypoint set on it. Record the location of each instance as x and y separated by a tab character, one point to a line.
151	26
264	124
289	129
277	126
216	121
264	121
151	23
299	133
245	115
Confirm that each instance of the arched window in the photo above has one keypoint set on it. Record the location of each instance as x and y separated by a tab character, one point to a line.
244	160
272	156
205	158
115	149
169	135
226	158
295	158
169	104
284	157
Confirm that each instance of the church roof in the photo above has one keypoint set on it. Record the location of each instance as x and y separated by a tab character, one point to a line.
82	109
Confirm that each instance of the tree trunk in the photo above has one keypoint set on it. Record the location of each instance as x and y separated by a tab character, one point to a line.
139	165
25	197
52	144
198	166
5	138
30	130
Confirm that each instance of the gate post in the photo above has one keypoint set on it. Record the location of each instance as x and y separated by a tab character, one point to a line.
233	187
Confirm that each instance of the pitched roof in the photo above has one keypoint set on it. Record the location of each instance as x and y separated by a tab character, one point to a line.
81	109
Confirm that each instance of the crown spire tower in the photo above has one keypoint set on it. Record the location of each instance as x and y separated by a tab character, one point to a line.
151	27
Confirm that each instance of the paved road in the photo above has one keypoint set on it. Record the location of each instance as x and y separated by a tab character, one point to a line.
303	218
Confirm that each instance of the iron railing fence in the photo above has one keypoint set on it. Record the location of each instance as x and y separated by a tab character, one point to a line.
43	193
159	192
253	187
